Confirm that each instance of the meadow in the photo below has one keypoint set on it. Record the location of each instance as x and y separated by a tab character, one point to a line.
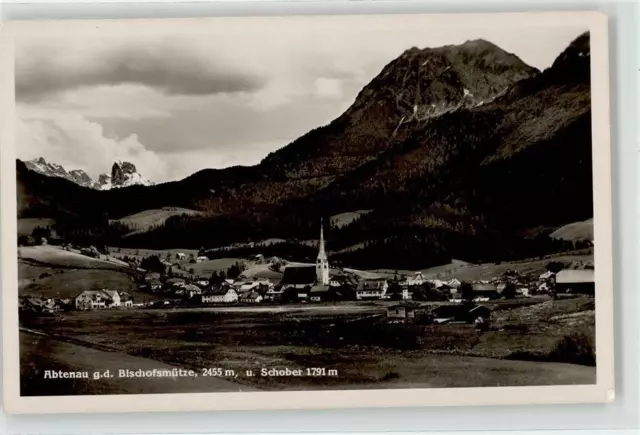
357	340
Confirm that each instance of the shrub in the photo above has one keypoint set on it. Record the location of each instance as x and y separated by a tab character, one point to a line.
575	348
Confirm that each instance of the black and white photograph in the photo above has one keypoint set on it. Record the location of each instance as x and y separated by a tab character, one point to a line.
303	204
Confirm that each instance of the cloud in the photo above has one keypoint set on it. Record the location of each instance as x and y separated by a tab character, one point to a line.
77	143
328	88
170	69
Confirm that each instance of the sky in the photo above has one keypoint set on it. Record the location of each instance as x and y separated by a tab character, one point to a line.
190	98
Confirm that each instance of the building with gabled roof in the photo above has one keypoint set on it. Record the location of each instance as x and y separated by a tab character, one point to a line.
580	281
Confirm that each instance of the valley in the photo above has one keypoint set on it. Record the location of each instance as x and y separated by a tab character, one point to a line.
441	224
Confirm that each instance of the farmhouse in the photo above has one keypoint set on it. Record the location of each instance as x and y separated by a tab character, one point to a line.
245	286
398	293
174	283
298	277
115	297
189	290
38	305
155	285
97	299
343	281
319	293
415	279
220	295
68	304
152	276
484	291
371	289
274	294
546	276
126	300
401	311
251	297
576	281
201	258
454	282
181	256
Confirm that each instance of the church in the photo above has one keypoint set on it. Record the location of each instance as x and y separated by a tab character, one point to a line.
312	282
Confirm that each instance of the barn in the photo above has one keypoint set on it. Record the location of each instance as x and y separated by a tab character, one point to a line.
581	281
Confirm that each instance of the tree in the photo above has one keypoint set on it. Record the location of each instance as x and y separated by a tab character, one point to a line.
234	271
555	266
466	292
26	240
41	233
217	278
153	264
170	272
509	291
201	251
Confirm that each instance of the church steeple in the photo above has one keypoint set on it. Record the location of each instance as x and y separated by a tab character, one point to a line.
321	250
322	264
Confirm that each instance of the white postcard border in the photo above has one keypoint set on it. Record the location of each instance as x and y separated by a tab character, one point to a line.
602	391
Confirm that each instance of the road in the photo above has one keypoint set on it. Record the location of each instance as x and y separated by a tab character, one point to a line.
39	353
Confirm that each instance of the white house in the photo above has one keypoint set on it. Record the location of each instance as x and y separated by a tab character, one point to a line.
223	295
246	286
371	289
189	290
251	297
274	293
202	283
97	299
181	256
201	259
115	298
126	301
455	283
415	279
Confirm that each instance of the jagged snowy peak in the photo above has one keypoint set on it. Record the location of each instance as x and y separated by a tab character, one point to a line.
78	176
103	183
123	174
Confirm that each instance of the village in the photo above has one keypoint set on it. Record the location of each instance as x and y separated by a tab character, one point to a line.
404	295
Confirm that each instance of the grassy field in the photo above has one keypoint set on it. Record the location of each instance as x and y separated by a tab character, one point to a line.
356	340
54	256
575	231
344	219
48	271
474	272
144	220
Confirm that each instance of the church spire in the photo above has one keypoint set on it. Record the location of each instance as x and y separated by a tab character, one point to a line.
321	247
322	264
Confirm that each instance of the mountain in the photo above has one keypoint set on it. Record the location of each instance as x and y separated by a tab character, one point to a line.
78	176
460	151
123	174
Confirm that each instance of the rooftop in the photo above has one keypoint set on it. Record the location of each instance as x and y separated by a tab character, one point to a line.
574	276
299	275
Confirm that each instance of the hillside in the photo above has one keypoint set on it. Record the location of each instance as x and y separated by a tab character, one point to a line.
575	231
47	271
148	219
458	151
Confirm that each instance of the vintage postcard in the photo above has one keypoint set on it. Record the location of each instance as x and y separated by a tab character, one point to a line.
306	212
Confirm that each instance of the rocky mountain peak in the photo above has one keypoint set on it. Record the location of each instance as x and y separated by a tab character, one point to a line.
122	174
